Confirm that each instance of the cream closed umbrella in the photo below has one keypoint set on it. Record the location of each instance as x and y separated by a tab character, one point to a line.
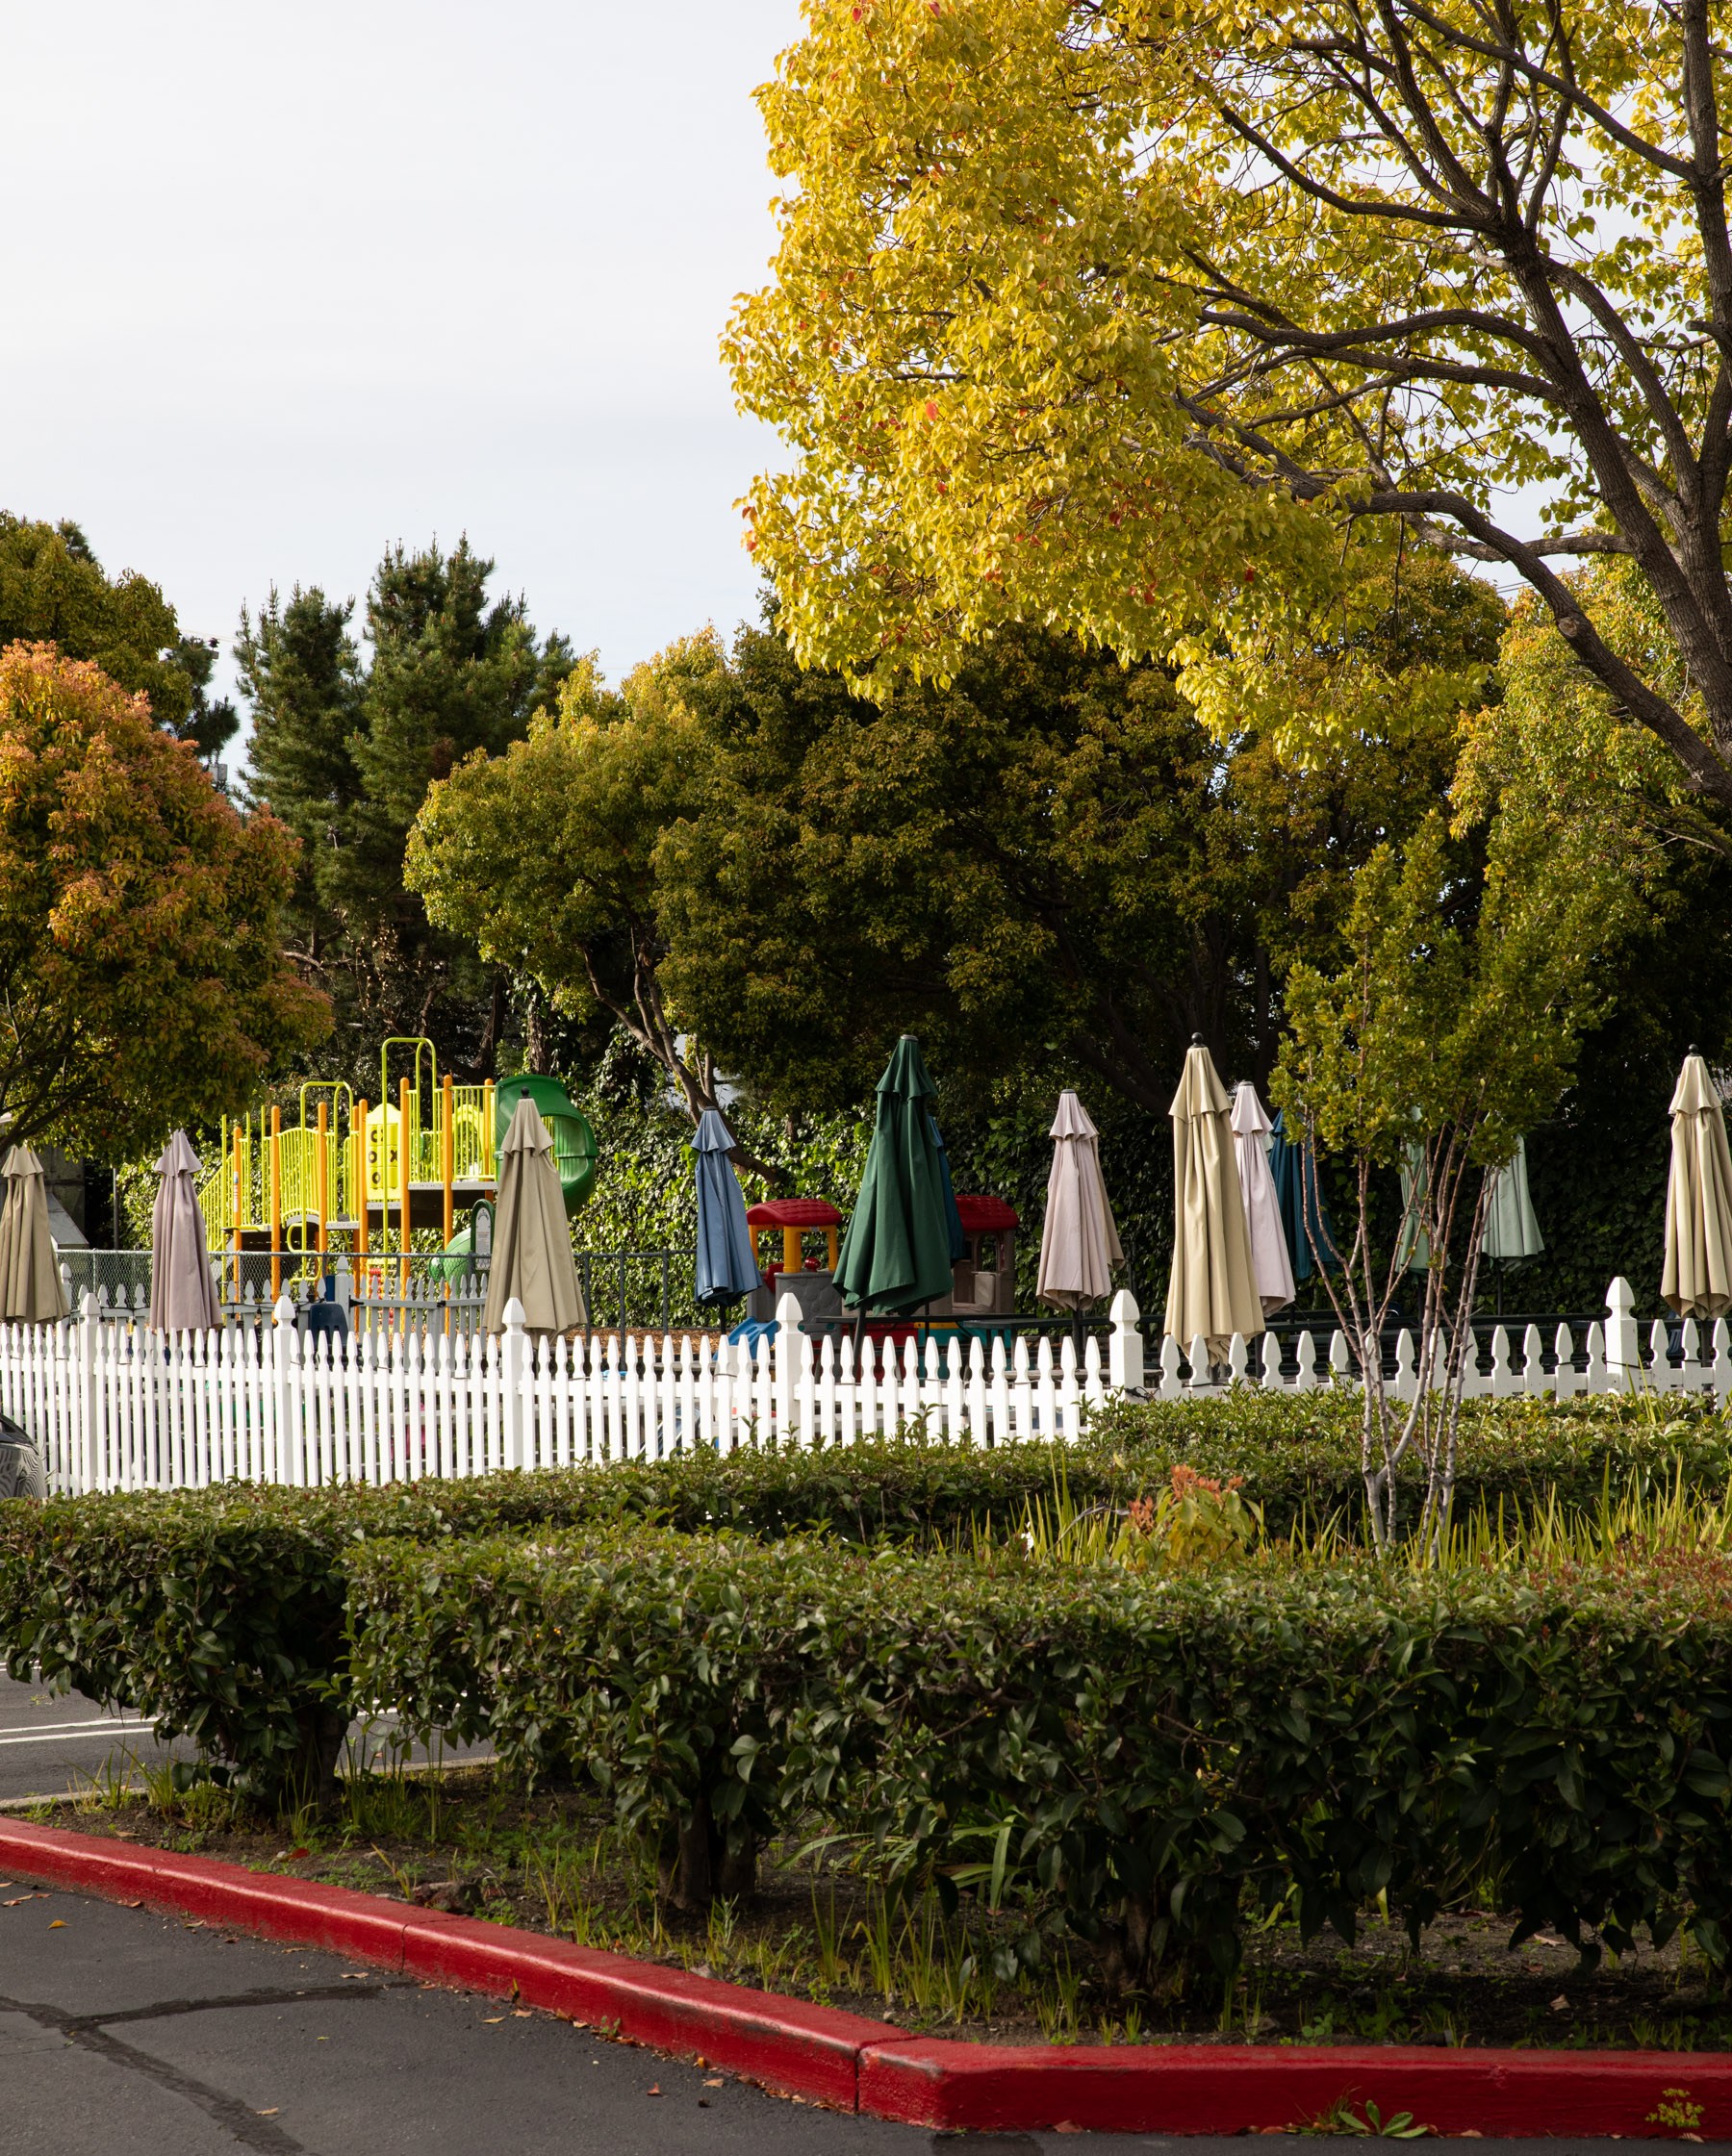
1212	1292
182	1296
531	1248
1271	1263
1078	1243
1697	1279
30	1282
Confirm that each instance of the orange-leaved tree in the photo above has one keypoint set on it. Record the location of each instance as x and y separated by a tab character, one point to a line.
142	981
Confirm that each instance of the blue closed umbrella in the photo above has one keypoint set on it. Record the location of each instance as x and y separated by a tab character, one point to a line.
727	1268
1293	1169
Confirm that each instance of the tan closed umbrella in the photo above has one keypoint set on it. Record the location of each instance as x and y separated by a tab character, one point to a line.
30	1282
1697	1279
1212	1293
182	1296
531	1248
1078	1243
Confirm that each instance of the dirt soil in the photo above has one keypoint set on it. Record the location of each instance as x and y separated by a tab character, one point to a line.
464	1841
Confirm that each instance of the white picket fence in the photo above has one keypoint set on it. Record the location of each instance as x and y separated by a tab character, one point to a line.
116	1407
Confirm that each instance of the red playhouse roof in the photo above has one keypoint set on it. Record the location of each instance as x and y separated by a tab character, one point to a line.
793	1212
982	1216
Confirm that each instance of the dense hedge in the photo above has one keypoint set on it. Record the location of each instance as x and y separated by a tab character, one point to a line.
1162	1754
219	1613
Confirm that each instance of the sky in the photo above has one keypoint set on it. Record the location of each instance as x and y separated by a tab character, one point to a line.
284	284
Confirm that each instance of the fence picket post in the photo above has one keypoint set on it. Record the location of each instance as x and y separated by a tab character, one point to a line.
90	1397
1624	1351
1125	1344
291	1465
513	1342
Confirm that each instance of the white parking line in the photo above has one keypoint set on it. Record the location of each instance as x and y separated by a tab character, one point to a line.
55	1731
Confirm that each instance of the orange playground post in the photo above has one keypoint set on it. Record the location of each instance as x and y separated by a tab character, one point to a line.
324	1179
360	1185
447	1158
403	1186
235	1217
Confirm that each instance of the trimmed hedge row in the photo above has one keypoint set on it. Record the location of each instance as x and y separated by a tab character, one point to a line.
219	1613
1162	1754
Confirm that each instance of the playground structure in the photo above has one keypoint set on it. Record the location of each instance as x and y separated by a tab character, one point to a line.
365	1177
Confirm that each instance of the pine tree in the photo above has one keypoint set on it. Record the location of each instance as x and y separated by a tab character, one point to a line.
345	756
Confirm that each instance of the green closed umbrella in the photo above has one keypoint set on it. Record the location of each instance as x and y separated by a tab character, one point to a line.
896	1254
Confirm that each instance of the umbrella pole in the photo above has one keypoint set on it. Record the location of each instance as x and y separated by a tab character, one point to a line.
859	1338
1077	1333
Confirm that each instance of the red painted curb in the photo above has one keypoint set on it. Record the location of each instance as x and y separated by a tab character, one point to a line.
859	2064
1218	2089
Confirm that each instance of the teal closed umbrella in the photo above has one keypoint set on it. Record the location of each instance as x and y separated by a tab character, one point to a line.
895	1256
1293	1171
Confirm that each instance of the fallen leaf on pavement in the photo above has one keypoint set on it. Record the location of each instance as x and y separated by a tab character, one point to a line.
654	2089
716	2083
58	1925
492	2018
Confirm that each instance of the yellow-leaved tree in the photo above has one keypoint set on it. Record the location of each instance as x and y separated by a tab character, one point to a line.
1122	315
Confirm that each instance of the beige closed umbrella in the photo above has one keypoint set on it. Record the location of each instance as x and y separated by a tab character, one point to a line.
531	1248
182	1296
1212	1293
1697	1279
30	1282
1078	1243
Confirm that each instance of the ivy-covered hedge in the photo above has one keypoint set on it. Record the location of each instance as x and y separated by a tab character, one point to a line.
1161	1754
219	1613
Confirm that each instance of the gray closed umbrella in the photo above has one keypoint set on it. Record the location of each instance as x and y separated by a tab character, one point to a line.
1079	1242
531	1248
30	1282
182	1296
1697	1279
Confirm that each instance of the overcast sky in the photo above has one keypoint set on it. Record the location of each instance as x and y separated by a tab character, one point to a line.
283	284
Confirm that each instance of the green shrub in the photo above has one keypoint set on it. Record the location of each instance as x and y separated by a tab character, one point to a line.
218	1613
1154	1755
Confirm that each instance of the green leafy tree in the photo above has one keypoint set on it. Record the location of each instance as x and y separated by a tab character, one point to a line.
546	857
1451	1029
346	754
142	981
1118	315
1047	863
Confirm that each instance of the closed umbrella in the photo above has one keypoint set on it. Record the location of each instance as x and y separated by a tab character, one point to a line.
531	1247
1079	1242
895	1254
182	1296
1304	1217
1511	1231
1413	1245
30	1282
1270	1263
952	1218
727	1267
1697	1279
1212	1292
